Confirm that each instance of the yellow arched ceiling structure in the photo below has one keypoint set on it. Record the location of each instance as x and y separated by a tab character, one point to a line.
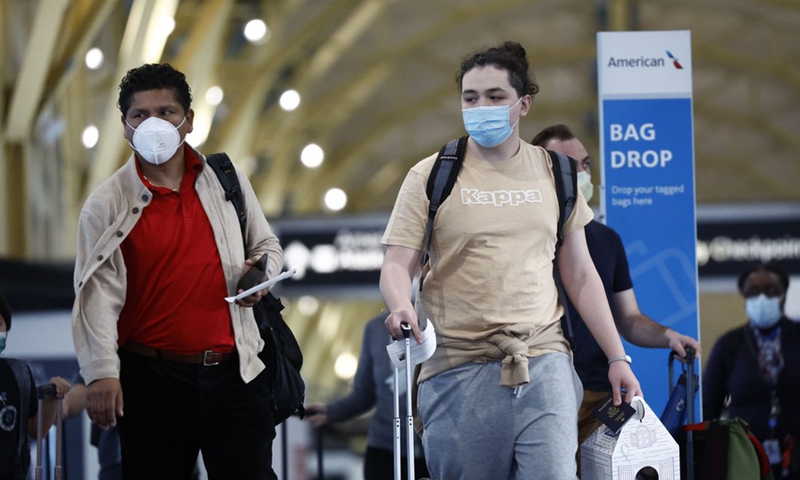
378	93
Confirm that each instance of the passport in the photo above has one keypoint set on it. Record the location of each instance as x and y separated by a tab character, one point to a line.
613	417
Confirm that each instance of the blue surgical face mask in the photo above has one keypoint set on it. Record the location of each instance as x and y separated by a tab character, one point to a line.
489	126
3	341
763	311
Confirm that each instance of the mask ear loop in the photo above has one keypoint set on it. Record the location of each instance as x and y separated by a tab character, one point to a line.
509	114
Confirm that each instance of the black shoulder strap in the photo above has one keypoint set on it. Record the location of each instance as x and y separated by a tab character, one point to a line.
223	167
441	180
23	377
566	182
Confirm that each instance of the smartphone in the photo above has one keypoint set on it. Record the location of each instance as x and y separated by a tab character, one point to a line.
257	274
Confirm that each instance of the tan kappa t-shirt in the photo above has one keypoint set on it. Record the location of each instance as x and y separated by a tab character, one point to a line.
490	292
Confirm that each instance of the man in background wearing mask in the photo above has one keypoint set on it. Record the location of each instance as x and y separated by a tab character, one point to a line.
756	368
19	407
608	255
164	356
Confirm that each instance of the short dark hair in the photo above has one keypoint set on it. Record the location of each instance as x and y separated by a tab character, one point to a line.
511	57
5	311
559	132
153	76
770	267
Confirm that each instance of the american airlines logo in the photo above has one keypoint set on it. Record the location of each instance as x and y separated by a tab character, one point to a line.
498	198
647	62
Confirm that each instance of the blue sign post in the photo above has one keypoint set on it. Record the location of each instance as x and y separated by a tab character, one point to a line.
648	197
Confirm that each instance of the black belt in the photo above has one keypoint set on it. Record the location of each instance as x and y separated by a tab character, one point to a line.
205	358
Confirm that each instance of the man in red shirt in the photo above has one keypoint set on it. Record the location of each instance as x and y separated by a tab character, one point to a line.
163	354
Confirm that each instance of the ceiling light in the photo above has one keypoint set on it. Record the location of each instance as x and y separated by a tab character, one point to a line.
312	155
346	366
335	199
90	136
214	95
94	58
307	305
166	25
289	100
255	30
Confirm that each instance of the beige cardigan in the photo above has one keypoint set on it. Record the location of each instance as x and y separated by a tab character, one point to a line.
108	216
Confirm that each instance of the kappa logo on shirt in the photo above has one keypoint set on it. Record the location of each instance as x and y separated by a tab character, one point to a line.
498	198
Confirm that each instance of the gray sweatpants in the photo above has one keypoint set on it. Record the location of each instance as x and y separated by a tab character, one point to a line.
476	429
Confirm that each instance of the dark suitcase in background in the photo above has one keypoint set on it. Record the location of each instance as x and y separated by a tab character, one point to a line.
680	409
42	392
680	404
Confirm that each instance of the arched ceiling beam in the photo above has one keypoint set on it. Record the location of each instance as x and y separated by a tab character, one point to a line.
346	162
762	66
85	19
237	134
199	58
142	42
272	194
274	181
29	88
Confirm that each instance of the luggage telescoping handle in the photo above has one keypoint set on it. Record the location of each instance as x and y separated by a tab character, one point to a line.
690	354
406	328
42	392
397	441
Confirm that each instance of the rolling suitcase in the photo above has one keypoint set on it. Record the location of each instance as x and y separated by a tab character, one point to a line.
679	410
409	416
42	392
680	404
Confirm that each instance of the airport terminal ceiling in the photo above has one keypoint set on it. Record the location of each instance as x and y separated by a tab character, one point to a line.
377	92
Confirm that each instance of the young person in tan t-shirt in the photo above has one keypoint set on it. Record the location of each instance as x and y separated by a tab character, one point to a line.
499	398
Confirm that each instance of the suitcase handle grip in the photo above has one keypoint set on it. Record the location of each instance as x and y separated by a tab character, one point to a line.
406	329
43	391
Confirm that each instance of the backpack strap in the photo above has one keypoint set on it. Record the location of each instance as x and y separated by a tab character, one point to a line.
566	183
440	182
223	167
23	377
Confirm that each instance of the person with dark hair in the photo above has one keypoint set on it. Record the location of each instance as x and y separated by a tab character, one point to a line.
19	408
753	371
499	397
164	356
608	256
373	387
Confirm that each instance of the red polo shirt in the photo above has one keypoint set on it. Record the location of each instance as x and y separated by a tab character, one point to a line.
176	287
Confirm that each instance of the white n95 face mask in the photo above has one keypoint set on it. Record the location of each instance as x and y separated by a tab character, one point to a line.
585	184
156	140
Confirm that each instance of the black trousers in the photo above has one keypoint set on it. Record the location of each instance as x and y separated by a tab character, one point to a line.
174	410
379	465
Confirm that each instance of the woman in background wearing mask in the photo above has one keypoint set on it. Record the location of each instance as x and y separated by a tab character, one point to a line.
499	397
754	370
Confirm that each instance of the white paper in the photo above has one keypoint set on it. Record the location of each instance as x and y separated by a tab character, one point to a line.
261	286
419	351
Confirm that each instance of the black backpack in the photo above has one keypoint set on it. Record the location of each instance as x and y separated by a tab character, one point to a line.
443	177
281	353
